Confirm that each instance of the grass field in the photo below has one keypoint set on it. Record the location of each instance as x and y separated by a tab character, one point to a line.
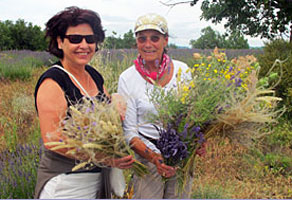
227	170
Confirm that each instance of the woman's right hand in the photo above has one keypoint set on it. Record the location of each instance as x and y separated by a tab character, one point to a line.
163	169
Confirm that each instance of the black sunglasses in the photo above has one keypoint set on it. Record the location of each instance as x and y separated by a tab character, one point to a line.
76	39
153	38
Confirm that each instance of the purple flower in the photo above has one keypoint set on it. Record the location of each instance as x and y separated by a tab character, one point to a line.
171	146
93	124
238	82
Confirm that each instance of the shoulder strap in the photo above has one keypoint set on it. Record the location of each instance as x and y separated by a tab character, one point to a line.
73	77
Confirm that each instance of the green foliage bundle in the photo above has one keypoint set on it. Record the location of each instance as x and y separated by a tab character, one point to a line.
21	35
282	50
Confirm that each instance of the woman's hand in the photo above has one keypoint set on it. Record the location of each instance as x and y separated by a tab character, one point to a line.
122	163
120	103
201	151
163	169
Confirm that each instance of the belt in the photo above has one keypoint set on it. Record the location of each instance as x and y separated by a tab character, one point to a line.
154	141
93	170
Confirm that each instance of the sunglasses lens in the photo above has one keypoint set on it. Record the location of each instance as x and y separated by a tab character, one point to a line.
76	39
90	39
155	38
142	39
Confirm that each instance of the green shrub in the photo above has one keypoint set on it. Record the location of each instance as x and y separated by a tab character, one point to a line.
282	50
281	136
278	164
15	72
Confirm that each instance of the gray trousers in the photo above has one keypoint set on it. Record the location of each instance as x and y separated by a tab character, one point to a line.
151	186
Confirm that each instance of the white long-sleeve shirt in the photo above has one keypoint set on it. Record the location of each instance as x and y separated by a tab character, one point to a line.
133	87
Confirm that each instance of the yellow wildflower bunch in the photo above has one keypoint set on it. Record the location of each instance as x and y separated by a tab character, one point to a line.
222	99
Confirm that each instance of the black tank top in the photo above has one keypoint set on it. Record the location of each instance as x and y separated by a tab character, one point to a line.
72	93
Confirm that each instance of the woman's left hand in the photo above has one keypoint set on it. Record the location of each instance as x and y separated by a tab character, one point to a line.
201	151
120	103
125	162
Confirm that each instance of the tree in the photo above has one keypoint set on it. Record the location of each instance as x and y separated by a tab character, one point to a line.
128	41
21	35
235	41
210	39
264	18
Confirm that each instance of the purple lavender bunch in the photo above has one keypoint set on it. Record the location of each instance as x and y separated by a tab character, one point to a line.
171	146
175	146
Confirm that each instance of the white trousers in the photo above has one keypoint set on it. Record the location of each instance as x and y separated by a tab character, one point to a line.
72	186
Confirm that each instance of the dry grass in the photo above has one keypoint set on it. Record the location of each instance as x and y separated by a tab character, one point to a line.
225	167
17	114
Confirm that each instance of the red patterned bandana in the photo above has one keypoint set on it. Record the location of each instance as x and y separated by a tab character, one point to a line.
165	64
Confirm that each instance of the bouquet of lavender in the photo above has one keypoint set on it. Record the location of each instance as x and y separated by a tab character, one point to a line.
94	128
223	99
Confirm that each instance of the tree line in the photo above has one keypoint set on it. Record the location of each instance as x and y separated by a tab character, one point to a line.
24	35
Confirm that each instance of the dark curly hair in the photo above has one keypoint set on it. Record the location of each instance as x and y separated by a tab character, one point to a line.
71	16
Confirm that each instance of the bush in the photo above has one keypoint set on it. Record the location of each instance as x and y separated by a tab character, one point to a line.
279	49
281	136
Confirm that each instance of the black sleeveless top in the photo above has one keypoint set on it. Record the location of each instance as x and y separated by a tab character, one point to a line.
53	164
72	93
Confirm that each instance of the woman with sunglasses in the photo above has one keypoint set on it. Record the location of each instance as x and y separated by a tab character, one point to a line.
74	35
152	64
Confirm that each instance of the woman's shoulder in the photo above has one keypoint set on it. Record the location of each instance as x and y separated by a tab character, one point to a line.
179	64
52	72
129	72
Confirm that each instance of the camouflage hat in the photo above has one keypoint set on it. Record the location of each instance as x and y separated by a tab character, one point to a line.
151	21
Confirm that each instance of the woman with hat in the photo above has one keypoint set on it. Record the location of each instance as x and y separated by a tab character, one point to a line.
152	64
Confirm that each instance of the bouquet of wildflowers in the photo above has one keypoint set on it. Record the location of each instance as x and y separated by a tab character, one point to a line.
223	99
94	128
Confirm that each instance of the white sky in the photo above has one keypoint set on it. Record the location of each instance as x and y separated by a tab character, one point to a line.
118	15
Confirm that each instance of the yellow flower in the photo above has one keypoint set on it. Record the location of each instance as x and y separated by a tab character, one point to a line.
192	84
215	71
185	88
227	76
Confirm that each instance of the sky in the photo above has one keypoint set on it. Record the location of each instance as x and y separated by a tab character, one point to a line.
183	20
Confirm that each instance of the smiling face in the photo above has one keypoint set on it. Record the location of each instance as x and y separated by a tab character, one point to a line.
150	44
77	54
